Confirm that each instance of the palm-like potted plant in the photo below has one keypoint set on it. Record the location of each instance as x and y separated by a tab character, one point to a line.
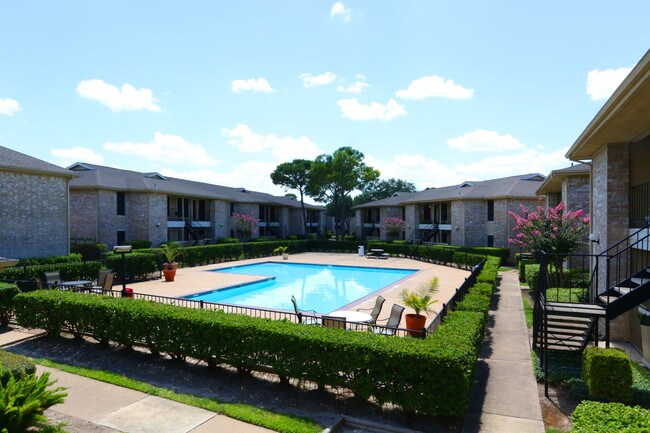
420	300
170	251
282	249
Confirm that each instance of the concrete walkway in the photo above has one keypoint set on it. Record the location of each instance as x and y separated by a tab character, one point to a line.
505	399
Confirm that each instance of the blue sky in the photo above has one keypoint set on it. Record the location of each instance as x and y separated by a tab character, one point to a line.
433	92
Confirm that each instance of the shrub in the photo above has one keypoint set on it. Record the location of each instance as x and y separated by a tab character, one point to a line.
139	265
532	273
34	261
474	302
607	374
7	293
138	244
15	365
598	417
89	251
227	241
484	289
24	399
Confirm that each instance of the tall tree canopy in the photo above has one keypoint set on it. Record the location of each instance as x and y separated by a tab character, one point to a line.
333	177
380	189
294	175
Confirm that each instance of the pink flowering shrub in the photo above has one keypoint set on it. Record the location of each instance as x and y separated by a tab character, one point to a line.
394	226
554	230
244	224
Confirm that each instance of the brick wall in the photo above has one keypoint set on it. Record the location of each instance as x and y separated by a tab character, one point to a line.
475	230
457	221
84	216
220	218
33	215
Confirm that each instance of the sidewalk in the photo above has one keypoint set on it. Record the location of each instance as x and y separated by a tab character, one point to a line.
505	397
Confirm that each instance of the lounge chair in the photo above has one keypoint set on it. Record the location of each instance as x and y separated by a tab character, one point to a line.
309	319
390	328
106	286
52	279
333	322
103	273
379	302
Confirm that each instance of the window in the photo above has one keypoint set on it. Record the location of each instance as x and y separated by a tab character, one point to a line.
121	203
444	215
490	210
121	237
490	240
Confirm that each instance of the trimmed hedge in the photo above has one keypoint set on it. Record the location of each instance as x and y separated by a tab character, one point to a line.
474	302
7	294
34	261
89	251
598	417
607	374
373	365
75	270
139	265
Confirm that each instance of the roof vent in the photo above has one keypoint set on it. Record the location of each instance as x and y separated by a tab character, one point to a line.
155	176
535	177
464	184
80	166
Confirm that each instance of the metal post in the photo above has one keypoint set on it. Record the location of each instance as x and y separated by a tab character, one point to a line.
123	274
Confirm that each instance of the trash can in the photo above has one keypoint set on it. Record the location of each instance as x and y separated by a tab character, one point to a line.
361	251
129	292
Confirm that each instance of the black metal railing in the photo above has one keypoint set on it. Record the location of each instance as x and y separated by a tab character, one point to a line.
458	296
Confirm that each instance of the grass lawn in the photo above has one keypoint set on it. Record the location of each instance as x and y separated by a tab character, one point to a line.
250	414
528	310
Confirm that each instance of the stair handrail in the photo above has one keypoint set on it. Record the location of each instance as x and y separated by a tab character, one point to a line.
616	245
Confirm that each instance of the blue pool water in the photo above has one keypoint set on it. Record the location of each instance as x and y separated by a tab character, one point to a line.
323	288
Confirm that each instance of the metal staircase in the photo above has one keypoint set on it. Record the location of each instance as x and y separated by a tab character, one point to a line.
429	232
619	281
197	232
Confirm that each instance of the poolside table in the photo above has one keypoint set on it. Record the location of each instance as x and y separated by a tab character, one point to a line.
377	253
77	284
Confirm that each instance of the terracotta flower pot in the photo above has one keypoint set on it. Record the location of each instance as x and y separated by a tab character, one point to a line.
169	271
416	322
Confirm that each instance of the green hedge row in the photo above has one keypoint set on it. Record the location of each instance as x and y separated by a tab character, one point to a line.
370	365
570	277
138	265
33	261
7	293
75	270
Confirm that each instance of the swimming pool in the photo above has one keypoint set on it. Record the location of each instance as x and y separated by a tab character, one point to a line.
323	288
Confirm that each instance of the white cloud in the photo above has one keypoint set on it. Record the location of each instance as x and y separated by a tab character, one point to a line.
282	148
423	172
77	154
434	86
309	80
356	87
481	140
525	161
127	98
9	106
254	84
353	109
171	149
340	11
601	84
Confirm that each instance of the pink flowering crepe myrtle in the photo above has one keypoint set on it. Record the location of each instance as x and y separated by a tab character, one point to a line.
393	226
553	230
244	224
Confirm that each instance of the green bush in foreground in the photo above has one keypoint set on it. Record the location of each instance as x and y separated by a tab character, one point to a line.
607	374
14	365
7	293
597	417
23	401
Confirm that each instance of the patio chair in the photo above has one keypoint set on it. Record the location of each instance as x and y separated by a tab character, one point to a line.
52	279
392	323
106	286
310	319
103	273
333	322
379	302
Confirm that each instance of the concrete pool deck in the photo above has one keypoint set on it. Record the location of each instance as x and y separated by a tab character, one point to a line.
199	279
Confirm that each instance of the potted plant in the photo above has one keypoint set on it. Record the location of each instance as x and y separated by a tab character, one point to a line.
282	249
170	251
420	300
644	320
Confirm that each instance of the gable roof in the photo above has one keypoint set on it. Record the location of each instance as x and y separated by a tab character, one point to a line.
625	117
553	182
101	177
16	161
521	186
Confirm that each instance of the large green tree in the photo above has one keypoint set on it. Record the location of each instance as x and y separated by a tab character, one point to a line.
381	189
293	175
333	177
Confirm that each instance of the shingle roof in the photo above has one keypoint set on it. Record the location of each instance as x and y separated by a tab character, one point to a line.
13	160
521	186
97	176
553	182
